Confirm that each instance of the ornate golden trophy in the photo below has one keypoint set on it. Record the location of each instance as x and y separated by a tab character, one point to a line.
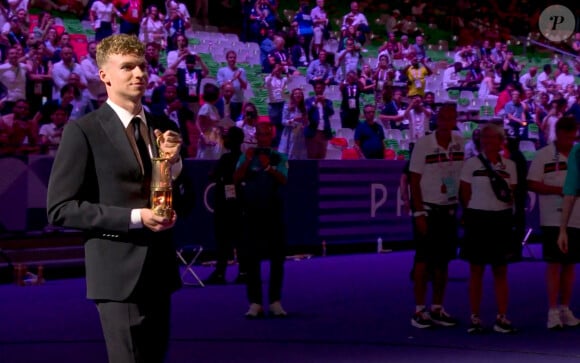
161	190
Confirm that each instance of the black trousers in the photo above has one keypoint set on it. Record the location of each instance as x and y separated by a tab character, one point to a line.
254	279
228	228
136	331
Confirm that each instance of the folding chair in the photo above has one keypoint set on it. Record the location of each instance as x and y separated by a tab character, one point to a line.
525	244
182	254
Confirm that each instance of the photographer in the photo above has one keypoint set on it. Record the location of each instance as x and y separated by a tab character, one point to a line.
261	172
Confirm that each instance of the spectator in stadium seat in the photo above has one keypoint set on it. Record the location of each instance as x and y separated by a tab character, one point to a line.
261	173
175	24
394	111
224	103
210	145
95	86
267	46
419	118
510	70
546	177
154	66
12	31
39	81
369	135
417	72
13	76
50	134
304	23
169	78
248	125
356	19
131	12
178	112
435	166
102	16
295	118
564	78
367	80
452	77
190	78
574	110
237	77
152	29
276	86
527	80
514	113
320	20
318	131
62	70
545	79
351	90
382	80
420	49
504	97
348	60
320	69
18	133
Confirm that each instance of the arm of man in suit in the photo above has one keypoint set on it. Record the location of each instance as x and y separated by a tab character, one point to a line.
72	199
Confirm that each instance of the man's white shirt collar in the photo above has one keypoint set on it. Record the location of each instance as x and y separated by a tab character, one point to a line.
125	115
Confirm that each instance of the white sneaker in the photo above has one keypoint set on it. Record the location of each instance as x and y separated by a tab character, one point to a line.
554	321
255	311
567	317
277	310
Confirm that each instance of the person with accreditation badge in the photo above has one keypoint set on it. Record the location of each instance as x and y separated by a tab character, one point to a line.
546	177
436	162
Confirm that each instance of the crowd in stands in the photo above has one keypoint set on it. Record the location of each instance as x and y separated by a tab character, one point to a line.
48	80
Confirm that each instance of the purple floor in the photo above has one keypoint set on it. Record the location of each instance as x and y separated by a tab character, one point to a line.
343	309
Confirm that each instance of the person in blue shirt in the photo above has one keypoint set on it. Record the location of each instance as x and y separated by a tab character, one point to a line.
369	135
305	28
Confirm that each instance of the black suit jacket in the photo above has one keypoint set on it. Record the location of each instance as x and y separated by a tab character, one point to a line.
96	181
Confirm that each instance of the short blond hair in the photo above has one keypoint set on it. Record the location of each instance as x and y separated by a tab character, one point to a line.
496	129
122	44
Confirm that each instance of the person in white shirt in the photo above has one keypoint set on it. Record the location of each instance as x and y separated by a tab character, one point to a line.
564	78
355	18
418	117
13	77
237	77
320	22
62	70
276	85
102	16
95	86
451	76
51	133
527	80
544	79
546	178
435	166
488	224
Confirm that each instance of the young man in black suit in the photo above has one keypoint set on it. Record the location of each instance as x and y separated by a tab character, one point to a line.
100	184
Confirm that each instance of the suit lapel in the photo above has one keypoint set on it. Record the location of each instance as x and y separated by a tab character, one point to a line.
118	135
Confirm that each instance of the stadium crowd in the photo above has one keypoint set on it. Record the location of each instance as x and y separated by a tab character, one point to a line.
49	78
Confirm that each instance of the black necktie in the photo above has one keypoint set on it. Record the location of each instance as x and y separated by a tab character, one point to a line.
141	146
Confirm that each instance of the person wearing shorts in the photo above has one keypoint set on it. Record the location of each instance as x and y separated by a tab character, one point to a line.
488	226
435	167
546	177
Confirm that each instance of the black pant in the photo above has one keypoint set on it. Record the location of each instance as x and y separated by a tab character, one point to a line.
227	235
136	331
254	282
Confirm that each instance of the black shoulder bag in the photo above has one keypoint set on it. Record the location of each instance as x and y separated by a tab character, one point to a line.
500	187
